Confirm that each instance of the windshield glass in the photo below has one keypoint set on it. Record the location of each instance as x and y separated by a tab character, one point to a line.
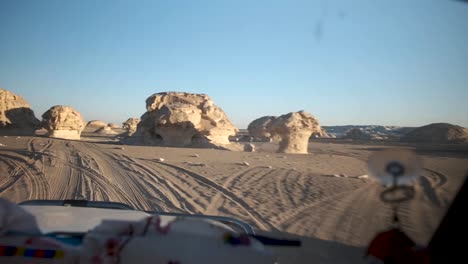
264	111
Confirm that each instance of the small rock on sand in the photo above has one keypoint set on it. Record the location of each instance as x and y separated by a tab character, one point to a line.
249	148
365	176
2	145
337	175
269	167
160	159
195	156
245	163
18	137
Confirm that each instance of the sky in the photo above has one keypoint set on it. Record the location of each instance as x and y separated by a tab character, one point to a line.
383	62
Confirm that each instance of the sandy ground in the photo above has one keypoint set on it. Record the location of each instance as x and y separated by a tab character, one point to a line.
298	194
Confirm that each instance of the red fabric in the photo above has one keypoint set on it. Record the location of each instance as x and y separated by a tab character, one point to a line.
394	246
39	253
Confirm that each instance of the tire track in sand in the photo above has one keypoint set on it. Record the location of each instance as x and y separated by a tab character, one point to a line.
36	183
175	184
259	220
142	182
350	216
233	181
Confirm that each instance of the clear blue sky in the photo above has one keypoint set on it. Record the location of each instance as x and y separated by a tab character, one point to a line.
347	62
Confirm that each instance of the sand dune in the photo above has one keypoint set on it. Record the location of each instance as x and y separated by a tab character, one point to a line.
298	194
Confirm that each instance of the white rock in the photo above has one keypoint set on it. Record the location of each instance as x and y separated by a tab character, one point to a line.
337	175
292	130
245	163
195	156
184	119
2	145
96	124
160	159
131	125
63	122
269	167
365	176
16	115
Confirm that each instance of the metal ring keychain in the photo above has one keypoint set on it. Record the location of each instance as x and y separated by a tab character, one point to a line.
397	170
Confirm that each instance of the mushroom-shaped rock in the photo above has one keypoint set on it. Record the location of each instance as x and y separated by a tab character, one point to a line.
16	116
131	125
295	130
260	127
96	124
184	119
63	122
357	134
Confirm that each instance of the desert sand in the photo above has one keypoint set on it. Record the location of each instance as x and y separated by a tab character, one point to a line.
324	197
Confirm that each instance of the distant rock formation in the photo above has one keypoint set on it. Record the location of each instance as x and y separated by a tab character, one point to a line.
376	131
131	125
295	130
321	133
184	119
292	130
114	126
96	124
438	133
260	127
16	116
63	122
106	131
357	134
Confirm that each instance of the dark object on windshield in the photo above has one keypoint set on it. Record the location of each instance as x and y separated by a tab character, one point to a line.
394	246
447	244
395	169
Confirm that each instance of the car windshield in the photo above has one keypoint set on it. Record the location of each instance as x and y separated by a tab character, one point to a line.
263	111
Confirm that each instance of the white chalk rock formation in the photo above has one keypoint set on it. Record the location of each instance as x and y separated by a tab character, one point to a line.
184	119
260	127
295	130
63	122
96	124
292	130
114	126
131	125
106	131
16	116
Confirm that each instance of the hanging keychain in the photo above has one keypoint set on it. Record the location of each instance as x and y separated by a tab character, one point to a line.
397	170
